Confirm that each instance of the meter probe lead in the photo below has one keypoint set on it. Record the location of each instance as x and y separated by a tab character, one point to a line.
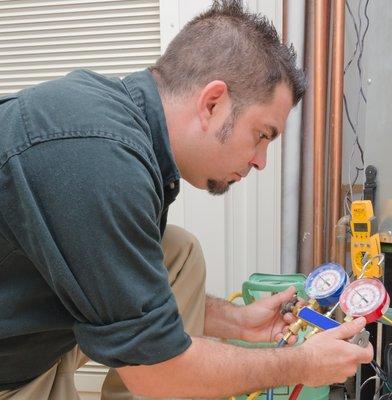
381	259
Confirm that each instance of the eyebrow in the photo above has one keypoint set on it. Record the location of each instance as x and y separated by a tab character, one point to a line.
274	132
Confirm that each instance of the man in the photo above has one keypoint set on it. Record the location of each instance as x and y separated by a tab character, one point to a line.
89	166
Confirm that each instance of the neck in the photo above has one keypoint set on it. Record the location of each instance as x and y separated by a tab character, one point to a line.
179	117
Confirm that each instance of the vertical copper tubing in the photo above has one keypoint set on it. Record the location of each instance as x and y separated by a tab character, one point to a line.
335	126
320	107
306	190
285	21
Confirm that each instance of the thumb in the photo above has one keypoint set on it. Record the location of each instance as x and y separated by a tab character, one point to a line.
278	299
348	329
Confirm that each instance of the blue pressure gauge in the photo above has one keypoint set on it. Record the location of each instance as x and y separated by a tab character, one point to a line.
326	283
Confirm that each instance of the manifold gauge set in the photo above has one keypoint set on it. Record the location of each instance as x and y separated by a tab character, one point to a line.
366	297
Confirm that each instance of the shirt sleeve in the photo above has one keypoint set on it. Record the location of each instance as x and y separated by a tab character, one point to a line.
87	212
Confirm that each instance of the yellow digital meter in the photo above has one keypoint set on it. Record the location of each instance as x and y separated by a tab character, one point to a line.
365	240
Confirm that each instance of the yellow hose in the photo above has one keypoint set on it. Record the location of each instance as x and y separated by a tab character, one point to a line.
253	396
234	296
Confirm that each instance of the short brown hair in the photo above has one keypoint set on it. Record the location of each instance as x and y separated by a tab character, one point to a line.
230	44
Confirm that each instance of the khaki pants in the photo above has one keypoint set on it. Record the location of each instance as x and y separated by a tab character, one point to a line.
184	259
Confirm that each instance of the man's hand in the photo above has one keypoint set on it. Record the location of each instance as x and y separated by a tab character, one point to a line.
335	358
262	321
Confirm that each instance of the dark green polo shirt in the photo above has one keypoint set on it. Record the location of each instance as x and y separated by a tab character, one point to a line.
86	176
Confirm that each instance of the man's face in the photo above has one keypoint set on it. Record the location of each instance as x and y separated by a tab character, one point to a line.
228	161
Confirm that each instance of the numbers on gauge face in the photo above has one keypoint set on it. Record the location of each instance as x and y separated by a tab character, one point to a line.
366	297
362	299
326	282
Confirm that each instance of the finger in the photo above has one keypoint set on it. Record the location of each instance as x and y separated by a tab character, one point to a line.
363	355
289	318
369	354
348	329
292	339
302	302
278	336
278	299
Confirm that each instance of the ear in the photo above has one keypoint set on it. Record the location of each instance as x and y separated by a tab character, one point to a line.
212	101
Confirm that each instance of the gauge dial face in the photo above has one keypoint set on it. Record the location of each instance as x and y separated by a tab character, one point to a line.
325	281
363	300
363	297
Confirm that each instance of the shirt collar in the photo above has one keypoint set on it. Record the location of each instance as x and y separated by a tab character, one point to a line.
143	90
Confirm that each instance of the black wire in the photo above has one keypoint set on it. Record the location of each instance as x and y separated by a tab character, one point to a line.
379	371
348	114
381	374
359	44
356	176
362	46
354	181
357	34
360	31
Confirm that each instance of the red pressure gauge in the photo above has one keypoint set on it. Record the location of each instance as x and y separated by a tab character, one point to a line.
365	298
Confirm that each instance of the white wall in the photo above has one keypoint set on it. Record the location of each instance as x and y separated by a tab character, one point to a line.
372	119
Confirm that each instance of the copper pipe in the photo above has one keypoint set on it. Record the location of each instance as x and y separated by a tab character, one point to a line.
285	21
320	106
306	192
336	115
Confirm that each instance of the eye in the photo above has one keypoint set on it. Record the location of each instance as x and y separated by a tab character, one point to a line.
263	136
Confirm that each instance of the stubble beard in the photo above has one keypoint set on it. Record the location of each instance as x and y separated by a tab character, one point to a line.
214	186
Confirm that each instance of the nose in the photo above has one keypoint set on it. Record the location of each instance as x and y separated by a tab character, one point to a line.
259	161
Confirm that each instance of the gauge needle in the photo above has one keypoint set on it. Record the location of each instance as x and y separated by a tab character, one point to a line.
325	281
363	298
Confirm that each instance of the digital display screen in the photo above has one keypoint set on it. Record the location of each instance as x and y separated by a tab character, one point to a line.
361	227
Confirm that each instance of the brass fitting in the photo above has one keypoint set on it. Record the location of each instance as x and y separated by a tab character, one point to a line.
300	324
312	332
294	328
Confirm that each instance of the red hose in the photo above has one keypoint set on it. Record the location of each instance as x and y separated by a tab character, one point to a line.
296	391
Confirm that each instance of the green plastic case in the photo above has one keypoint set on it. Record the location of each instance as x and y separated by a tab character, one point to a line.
271	283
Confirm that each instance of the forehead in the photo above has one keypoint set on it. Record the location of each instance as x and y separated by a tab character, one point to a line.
274	113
